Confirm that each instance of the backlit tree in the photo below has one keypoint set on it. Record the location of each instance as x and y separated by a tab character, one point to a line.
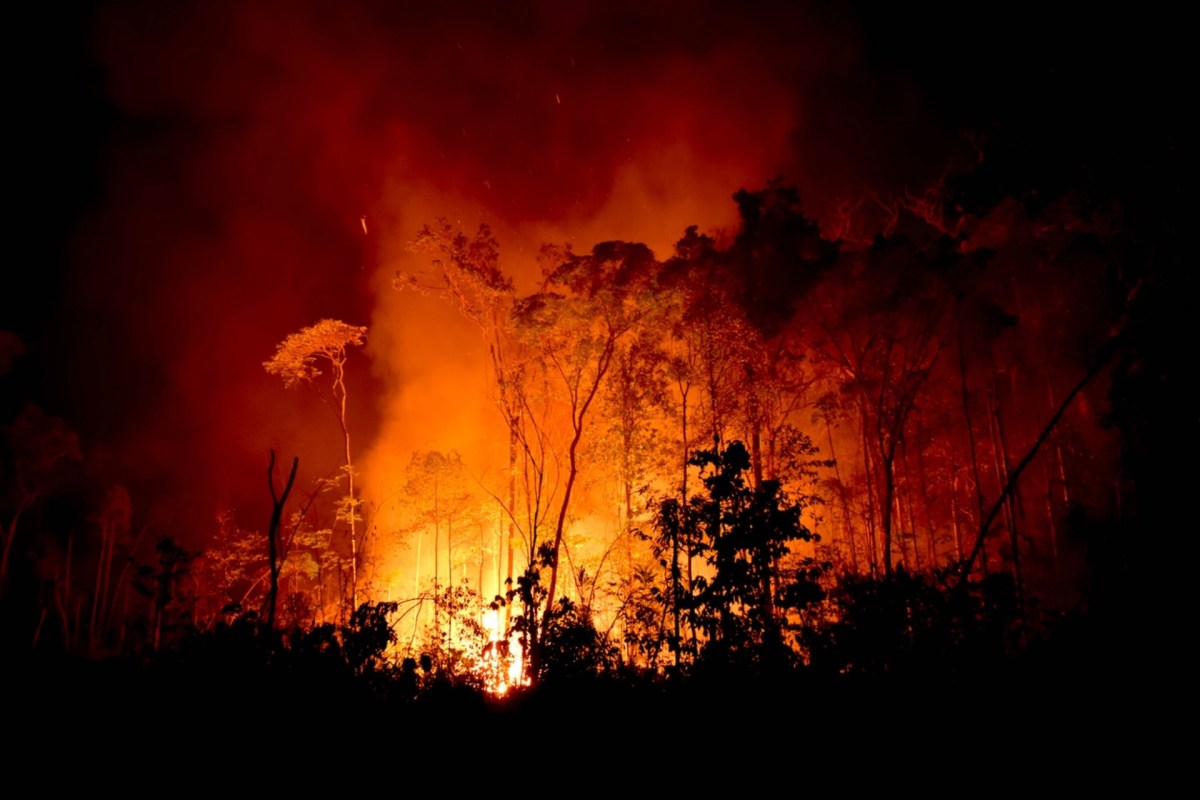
296	361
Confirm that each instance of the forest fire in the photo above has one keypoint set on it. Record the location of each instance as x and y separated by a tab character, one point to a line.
503	661
579	344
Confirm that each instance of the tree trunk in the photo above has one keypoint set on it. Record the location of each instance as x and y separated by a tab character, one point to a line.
512	509
966	406
986	524
847	525
869	482
277	502
578	414
23	504
676	593
1000	455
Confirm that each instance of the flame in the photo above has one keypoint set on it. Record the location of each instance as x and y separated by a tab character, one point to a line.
505	675
447	117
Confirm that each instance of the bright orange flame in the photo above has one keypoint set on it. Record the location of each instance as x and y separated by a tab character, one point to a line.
493	660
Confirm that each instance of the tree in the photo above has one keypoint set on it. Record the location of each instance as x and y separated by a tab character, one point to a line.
551	355
881	322
741	531
37	443
278	499
588	305
441	500
169	587
465	270
295	361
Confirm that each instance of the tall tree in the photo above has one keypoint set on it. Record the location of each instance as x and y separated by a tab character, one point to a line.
465	271
588	305
295	361
881	321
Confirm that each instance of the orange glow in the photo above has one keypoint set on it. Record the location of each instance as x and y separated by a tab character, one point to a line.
893	385
504	672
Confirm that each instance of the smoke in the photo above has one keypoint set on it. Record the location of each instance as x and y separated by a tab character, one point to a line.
267	162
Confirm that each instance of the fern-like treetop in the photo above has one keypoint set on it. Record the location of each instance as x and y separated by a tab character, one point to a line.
295	359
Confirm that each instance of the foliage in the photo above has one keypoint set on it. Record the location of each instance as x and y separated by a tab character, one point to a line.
741	532
32	449
913	624
169	585
366	638
442	503
571	647
643	615
529	596
465	270
454	648
295	359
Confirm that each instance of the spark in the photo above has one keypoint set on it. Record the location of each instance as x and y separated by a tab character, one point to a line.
363	221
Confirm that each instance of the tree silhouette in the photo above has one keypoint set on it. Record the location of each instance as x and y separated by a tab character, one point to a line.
278	499
741	531
37	443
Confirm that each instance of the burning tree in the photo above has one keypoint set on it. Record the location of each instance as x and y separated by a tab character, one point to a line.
466	271
589	305
295	361
551	354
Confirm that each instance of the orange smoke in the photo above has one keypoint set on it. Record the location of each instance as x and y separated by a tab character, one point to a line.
269	162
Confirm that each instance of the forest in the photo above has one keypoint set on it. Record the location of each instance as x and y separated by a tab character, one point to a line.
914	459
776	452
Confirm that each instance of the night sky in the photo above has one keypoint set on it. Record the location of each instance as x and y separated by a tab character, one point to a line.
193	180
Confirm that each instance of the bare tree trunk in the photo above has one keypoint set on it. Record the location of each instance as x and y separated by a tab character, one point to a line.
966	405
908	504
339	390
578	414
889	491
100	590
277	502
437	545
66	591
417	571
676	594
1015	510
755	430
926	506
1051	525
23	504
954	513
869	473
986	524
1062	480
482	549
560	526
512	525
847	526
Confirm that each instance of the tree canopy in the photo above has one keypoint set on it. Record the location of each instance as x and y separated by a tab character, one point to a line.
295	359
